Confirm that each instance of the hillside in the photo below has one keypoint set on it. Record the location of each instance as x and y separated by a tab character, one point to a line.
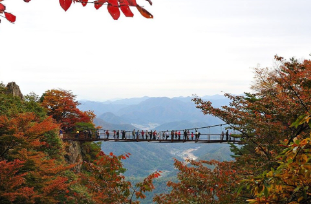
109	126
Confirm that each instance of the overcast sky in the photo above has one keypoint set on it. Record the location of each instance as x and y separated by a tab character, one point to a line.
198	47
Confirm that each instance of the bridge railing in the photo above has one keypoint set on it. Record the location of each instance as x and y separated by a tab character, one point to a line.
128	136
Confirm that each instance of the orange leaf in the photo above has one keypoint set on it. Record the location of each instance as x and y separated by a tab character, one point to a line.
144	12
150	2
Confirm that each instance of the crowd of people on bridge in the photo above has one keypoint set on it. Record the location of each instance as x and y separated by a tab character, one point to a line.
150	135
173	135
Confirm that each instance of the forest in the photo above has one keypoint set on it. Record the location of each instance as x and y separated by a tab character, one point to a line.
272	166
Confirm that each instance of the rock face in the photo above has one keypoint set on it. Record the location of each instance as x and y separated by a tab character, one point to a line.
73	154
13	89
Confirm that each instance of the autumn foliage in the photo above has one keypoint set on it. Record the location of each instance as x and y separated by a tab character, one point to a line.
33	168
273	124
113	7
272	166
274	163
202	182
11	185
290	181
62	106
107	183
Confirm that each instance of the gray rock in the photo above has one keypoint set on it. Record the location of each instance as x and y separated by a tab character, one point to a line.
13	89
73	154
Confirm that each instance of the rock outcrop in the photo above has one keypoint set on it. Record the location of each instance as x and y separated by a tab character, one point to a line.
73	154
13	89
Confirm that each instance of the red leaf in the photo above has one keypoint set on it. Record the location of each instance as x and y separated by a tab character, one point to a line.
2	8
10	17
84	2
123	2
144	12
126	11
113	2
65	4
26	1
99	3
111	154
114	11
132	2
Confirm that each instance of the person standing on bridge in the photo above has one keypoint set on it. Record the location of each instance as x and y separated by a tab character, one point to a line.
178	135
191	135
118	134
137	134
199	135
158	136
133	134
185	135
107	134
142	134
196	134
114	134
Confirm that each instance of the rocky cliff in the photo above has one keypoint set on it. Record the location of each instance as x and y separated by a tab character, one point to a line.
73	154
13	89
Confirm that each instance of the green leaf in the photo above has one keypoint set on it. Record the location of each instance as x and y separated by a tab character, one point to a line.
265	191
297	189
300	120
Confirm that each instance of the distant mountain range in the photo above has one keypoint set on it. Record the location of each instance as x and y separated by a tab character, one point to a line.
152	112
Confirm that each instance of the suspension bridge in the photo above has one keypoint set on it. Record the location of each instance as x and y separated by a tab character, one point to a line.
189	135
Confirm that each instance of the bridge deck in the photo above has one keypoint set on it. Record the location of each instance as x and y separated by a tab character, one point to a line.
155	141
